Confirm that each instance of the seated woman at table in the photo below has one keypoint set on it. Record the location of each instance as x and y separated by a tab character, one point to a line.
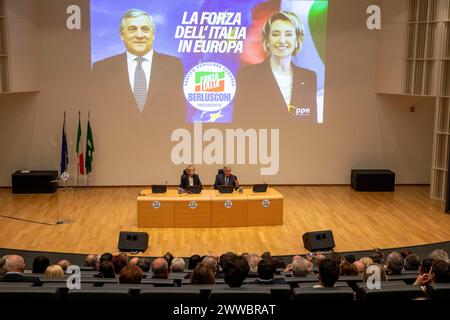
190	178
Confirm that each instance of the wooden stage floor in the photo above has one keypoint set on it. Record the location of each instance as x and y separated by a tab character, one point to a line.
359	221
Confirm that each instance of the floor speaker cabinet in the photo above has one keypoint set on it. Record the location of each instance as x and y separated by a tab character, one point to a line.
318	240
133	241
34	181
372	180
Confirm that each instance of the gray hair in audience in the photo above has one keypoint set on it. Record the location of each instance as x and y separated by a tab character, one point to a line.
412	262
299	267
439	255
144	264
177	265
90	260
395	262
211	263
253	261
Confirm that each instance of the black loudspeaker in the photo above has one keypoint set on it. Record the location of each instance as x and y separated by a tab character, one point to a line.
133	241
318	240
372	180
34	181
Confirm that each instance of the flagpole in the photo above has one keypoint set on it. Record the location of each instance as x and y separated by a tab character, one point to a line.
87	173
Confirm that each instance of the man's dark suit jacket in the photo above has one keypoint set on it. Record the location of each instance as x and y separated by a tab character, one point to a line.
18	277
259	100
220	181
185	181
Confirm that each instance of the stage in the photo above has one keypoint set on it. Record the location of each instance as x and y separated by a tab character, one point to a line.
359	221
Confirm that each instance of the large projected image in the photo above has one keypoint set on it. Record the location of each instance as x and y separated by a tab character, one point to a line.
252	63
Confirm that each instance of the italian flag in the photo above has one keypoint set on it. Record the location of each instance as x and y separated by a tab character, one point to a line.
80	155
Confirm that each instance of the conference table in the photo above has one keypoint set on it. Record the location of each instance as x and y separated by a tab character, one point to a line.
209	209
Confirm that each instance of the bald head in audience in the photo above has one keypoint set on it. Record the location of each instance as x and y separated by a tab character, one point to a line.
299	267
90	260
64	264
134	260
14	263
360	267
160	268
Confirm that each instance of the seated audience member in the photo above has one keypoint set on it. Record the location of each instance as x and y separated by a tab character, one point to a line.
360	267
168	257
54	272
246	255
289	266
2	263
64	264
439	254
318	257
13	269
300	267
131	274
106	270
107	256
377	256
394	263
90	261
366	260
118	263
190	178
253	261
279	263
134	260
425	266
236	270
202	274
348	269
211	263
144	264
266	255
40	264
375	269
405	253
266	272
412	262
350	258
160	268
226	179
439	273
328	273
336	257
177	265
193	260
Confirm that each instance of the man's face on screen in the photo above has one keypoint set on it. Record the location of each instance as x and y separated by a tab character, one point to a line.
282	38
138	35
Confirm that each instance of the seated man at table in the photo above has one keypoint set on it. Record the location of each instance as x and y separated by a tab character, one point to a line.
190	178
226	179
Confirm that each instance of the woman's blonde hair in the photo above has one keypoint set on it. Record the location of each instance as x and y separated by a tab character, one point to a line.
54	272
284	16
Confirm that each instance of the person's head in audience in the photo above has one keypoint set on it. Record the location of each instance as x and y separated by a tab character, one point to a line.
246	255
377	256
202	274
348	269
350	258
266	269
439	254
193	260
328	273
405	253
131	274
178	265
375	268
168	257
412	262
107	256
394	263
440	272
253	261
309	266
118	263
144	264
336	257
64	264
425	266
211	263
224	258
367	261
299	267
279	263
2	263
266	255
90	260
318	257
360	267
14	263
134	260
236	270
106	270
54	272
160	268
40	264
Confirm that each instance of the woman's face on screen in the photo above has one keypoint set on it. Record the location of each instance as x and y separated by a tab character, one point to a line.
282	38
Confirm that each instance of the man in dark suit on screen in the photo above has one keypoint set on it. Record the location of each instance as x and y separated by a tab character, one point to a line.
226	179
